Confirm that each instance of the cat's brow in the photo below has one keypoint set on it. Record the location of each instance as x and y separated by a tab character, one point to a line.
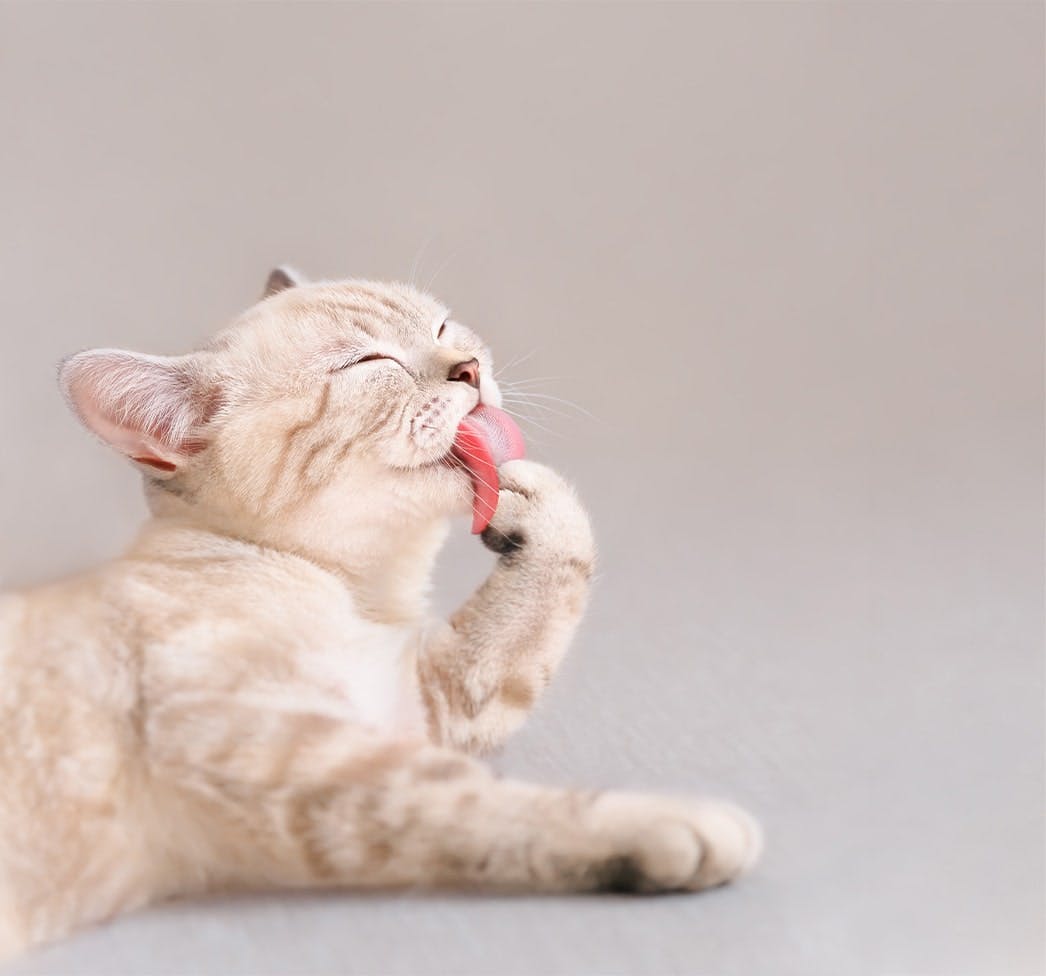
395	305
363	317
337	352
399	306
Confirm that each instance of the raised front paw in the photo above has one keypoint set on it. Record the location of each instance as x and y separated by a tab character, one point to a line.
539	515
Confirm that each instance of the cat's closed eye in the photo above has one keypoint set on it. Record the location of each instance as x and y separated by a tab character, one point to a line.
369	358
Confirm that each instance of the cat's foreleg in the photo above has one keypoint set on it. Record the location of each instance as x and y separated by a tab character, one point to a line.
399	815
481	673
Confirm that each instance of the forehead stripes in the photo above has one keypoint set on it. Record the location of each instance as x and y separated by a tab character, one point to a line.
368	310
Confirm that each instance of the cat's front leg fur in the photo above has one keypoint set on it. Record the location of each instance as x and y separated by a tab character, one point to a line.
432	817
349	811
481	673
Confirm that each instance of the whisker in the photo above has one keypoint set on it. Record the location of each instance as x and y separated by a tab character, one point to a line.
534	403
518	361
415	266
530	382
530	395
531	422
472	473
547	411
453	254
534	380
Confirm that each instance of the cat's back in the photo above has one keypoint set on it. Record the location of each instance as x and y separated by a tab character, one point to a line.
65	635
75	799
67	687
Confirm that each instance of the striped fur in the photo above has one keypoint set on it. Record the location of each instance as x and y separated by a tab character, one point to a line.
253	695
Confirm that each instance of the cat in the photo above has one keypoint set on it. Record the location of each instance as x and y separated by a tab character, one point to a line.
253	696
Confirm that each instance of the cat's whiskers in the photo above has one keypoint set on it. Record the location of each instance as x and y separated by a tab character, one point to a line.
518	361
418	257
531	421
534	396
519	401
486	484
533	381
472	472
453	254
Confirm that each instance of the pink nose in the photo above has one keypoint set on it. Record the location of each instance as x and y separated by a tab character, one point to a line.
467	372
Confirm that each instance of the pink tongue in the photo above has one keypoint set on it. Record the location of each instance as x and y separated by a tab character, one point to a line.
486	439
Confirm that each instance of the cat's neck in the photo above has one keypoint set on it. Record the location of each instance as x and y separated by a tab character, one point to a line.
386	564
387	568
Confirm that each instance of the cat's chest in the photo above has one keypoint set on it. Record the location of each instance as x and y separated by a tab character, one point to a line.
366	673
301	648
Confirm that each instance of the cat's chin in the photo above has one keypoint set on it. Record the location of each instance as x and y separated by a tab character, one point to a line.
444	486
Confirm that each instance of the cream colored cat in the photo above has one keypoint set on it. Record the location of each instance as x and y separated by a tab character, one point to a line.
252	696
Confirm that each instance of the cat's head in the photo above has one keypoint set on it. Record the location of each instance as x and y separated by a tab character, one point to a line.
322	400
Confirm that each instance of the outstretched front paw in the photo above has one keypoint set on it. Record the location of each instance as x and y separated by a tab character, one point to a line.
539	514
676	846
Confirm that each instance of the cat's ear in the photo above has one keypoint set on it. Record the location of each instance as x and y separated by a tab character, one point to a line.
282	278
150	408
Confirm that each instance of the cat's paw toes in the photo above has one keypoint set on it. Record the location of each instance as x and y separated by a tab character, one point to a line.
731	841
685	848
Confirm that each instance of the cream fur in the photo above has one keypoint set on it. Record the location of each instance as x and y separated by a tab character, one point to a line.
254	693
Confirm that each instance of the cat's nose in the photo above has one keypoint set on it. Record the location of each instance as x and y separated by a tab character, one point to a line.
467	372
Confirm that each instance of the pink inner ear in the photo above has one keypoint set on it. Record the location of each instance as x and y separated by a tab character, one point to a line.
156	463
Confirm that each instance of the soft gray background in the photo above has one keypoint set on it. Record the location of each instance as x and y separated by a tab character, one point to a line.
789	257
